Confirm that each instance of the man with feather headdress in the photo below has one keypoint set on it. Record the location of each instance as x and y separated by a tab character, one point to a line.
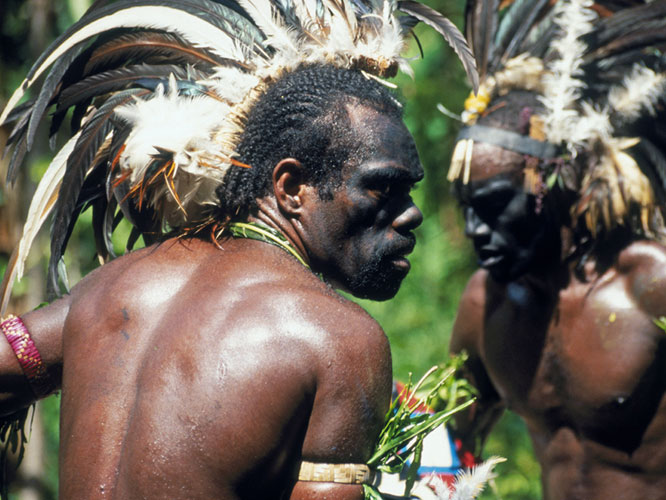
561	174
255	149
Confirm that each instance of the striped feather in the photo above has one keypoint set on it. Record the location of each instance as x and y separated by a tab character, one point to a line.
448	30
149	48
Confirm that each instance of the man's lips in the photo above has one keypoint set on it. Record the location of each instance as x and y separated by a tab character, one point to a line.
489	257
491	262
398	257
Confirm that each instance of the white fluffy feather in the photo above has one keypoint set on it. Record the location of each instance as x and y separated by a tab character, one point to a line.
232	84
185	126
469	483
591	125
268	20
562	87
641	89
180	124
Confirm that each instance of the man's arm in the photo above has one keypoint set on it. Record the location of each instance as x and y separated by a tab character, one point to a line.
45	327
473	425
353	393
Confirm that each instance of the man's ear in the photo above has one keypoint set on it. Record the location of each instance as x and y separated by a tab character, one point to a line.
289	186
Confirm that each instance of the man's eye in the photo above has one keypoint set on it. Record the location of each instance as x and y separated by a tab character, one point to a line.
382	192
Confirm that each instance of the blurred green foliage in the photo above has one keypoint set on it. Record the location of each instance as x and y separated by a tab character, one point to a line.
418	320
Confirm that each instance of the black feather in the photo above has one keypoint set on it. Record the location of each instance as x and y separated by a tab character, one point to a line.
515	26
118	79
650	33
115	49
98	215
132	239
656	172
48	89
286	10
110	222
16	140
20	150
625	22
67	207
538	40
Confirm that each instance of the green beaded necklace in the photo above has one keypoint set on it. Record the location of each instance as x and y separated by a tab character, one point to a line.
261	232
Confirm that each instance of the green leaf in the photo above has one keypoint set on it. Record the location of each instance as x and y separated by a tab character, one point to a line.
661	322
371	493
406	425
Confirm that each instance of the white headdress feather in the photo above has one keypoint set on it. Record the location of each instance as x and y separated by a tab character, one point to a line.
640	90
562	85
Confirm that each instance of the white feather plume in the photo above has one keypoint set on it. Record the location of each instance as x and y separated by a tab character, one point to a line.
640	90
592	124
469	483
184	126
562	86
278	34
231	84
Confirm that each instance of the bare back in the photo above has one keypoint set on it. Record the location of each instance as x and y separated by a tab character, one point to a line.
194	372
584	367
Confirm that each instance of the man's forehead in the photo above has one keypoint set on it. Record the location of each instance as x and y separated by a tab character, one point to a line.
379	127
490	161
387	169
367	117
484	187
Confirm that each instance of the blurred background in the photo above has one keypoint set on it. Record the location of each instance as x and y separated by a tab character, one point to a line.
417	321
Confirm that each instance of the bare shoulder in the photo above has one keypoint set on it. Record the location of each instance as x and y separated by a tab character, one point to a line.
643	265
315	317
644	257
468	326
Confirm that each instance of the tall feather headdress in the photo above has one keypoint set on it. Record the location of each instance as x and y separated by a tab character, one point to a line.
159	91
599	71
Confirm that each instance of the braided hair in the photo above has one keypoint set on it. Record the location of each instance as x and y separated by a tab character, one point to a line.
301	116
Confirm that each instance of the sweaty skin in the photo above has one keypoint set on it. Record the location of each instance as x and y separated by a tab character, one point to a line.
581	361
194	372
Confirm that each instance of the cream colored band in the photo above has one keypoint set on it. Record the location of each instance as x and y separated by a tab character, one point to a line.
335	473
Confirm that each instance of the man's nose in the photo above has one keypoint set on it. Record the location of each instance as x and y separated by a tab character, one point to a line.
474	226
409	219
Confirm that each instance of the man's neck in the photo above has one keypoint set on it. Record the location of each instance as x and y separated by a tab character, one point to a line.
269	215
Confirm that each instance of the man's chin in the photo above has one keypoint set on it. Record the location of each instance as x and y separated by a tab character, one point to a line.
379	295
379	288
506	273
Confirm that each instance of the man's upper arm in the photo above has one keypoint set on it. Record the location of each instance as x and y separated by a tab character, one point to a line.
46	327
468	326
353	393
473	425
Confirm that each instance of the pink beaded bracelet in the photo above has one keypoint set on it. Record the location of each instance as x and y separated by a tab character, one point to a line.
27	355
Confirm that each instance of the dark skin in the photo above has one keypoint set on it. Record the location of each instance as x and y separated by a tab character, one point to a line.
581	361
192	371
